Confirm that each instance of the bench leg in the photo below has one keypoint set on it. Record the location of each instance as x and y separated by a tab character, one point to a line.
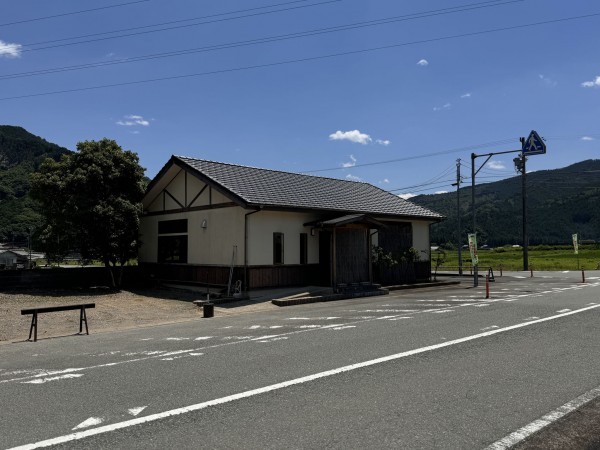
83	318
33	327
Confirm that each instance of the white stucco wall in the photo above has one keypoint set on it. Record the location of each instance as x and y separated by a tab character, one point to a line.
212	245
263	224
421	239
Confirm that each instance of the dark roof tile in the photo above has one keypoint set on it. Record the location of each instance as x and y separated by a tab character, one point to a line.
265	187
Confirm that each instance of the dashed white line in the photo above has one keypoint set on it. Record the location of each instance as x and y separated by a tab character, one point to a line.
278	386
60	377
526	431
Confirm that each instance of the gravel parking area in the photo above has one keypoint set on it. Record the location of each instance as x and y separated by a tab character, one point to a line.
113	311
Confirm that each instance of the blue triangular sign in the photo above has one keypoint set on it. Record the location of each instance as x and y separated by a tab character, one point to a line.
534	145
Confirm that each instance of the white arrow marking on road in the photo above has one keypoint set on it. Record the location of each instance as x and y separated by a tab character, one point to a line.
136	411
285	384
89	423
61	377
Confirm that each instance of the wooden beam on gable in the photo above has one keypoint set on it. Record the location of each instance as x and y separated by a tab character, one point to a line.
196	197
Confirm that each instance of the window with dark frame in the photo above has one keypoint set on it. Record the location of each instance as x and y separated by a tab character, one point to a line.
303	248
277	248
173	248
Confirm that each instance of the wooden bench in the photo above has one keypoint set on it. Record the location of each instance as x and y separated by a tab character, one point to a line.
45	309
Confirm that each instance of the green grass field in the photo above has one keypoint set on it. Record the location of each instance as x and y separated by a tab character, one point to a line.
542	257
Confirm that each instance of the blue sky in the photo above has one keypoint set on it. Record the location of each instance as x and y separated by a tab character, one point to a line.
392	96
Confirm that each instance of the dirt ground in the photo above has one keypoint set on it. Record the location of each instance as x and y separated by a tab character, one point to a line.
113	311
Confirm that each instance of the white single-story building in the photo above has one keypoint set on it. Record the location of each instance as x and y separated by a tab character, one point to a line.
209	222
12	259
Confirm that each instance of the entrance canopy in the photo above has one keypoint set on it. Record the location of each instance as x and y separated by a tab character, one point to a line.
354	219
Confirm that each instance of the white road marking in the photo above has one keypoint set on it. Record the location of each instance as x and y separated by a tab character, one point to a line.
92	421
203	338
531	318
563	310
343	327
60	377
136	411
402	317
178	339
526	431
490	328
285	384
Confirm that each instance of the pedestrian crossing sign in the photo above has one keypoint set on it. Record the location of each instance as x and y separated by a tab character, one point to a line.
534	145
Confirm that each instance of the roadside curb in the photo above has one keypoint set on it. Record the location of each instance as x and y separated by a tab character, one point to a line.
382	291
327	298
401	287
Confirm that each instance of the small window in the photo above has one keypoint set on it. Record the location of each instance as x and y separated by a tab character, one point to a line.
303	248
173	226
173	249
277	248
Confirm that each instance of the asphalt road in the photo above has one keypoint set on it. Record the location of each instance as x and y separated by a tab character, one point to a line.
431	368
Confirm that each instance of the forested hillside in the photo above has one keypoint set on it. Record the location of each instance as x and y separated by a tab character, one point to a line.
20	154
560	202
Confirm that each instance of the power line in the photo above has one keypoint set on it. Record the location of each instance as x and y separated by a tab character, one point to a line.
291	8
263	40
425	155
36	19
300	60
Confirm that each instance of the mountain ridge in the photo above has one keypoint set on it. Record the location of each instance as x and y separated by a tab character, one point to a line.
560	202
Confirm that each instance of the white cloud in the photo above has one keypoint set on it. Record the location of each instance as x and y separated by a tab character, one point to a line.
407	195
594	83
441	192
439	108
547	81
133	121
352	178
350	163
496	165
383	142
10	50
423	63
587	138
352	136
386	181
466	95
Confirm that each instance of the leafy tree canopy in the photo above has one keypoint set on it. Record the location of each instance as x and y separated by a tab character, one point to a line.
91	201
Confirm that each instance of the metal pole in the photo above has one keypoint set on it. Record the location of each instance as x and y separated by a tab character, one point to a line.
473	156
29	242
458	231
525	237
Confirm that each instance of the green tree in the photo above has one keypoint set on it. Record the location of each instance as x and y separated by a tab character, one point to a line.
91	201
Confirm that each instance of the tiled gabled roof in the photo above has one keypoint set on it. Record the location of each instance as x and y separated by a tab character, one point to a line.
272	188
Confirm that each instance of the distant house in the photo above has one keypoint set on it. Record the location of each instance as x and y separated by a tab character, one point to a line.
13	259
209	222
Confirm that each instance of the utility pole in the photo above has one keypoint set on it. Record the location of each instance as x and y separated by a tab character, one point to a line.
458	231
473	173
521	166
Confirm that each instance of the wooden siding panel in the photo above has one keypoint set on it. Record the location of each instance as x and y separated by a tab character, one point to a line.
352	255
